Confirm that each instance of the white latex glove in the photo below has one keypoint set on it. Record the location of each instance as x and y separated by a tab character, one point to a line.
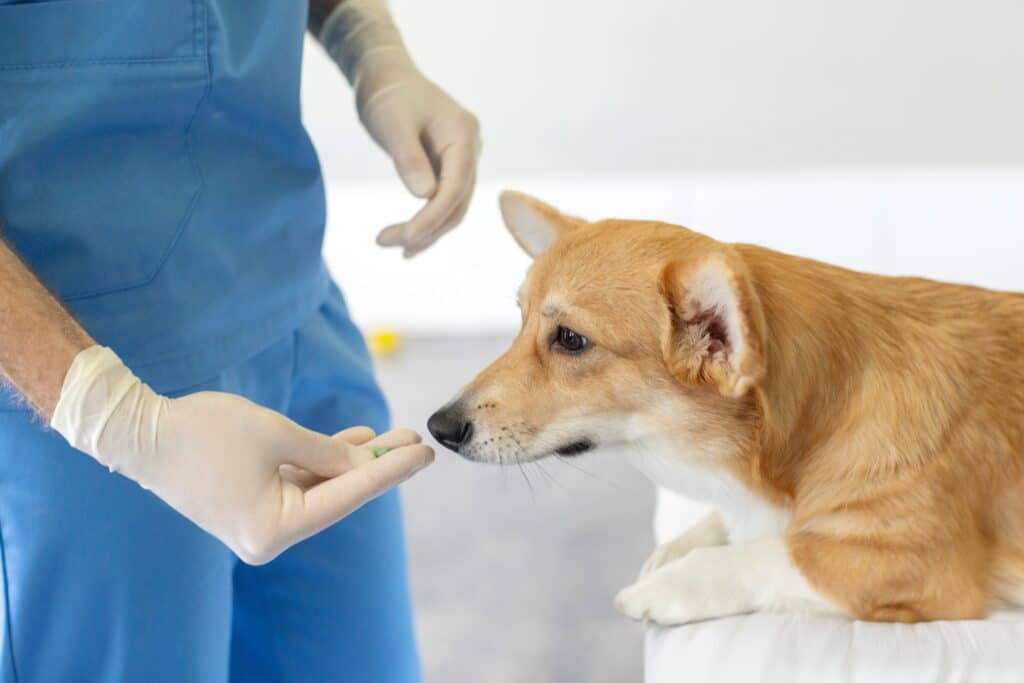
433	141
246	474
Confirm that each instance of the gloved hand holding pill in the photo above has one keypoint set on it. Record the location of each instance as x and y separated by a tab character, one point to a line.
216	457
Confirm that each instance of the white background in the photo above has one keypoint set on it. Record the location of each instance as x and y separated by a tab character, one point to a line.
881	135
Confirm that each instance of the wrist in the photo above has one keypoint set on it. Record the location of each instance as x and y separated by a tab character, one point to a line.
50	373
364	42
97	383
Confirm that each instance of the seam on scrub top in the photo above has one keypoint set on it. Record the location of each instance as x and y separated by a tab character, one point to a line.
290	393
7	603
187	218
141	61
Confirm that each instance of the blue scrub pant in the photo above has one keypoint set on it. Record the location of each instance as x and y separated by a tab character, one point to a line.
104	582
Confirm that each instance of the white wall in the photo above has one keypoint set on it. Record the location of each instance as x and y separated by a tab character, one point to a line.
794	123
960	225
597	86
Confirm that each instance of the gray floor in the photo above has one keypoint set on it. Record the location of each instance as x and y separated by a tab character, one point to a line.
513	579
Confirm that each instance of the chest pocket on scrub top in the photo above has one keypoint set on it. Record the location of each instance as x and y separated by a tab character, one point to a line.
96	102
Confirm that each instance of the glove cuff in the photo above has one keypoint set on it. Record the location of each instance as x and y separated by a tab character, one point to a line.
94	386
359	29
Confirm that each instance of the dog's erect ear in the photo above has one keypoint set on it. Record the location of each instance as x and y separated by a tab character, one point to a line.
716	329
533	224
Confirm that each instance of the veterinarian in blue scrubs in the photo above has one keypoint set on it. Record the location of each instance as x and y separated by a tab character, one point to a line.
155	174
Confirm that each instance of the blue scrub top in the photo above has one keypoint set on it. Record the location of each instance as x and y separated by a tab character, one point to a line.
156	175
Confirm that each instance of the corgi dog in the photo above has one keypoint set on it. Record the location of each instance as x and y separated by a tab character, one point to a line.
859	437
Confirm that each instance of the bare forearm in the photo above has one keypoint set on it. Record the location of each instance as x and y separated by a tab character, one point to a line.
38	338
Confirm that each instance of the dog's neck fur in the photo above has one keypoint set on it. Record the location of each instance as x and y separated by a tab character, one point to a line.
811	379
835	347
797	412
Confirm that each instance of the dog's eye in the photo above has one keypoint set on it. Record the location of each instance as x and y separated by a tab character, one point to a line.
570	341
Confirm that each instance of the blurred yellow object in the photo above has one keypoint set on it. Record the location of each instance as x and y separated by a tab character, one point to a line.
384	342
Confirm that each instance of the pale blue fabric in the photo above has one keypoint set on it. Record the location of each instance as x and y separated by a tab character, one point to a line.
155	173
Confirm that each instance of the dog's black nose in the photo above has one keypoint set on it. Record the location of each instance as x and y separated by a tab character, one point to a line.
450	427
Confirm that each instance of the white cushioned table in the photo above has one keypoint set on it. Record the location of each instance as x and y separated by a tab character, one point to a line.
792	648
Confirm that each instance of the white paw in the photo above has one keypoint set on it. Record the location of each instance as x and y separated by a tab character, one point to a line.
708	532
656	601
718	581
633	602
701	585
662	555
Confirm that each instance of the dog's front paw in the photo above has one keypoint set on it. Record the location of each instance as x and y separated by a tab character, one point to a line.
662	555
633	602
708	532
656	601
701	585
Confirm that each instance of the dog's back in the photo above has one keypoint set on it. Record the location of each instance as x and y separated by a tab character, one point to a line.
898	419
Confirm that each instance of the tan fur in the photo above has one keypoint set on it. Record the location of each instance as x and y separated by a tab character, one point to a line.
886	413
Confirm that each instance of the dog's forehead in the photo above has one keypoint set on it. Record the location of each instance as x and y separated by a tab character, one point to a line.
612	254
608	268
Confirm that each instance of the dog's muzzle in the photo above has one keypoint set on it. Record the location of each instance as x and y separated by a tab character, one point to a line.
451	427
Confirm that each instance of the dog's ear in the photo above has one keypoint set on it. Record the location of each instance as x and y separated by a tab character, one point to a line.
533	224
715	333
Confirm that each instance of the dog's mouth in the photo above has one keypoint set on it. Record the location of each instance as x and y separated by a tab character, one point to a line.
576	448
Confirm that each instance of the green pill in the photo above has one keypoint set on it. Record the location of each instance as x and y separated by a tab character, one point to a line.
377	452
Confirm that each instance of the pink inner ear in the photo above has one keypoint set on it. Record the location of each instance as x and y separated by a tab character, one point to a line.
714	327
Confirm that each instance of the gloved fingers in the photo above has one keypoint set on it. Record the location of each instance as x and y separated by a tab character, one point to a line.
304	479
457	172
451	223
318	454
391	236
356	436
396	438
327	456
391	124
411	161
305	513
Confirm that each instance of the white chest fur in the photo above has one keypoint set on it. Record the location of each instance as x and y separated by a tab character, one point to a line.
746	515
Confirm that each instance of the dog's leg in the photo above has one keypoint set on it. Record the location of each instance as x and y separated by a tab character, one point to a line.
719	581
709	531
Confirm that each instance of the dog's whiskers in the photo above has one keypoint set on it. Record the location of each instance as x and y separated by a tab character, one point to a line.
526	478
547	475
519	450
578	468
